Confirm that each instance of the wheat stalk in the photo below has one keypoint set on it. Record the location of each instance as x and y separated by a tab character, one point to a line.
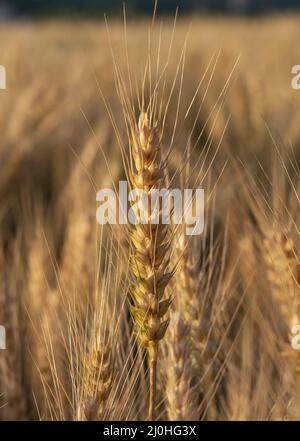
150	249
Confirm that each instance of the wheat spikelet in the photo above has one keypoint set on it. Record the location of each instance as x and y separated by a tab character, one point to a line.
149	258
179	392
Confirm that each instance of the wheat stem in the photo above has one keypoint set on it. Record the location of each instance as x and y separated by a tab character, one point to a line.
152	400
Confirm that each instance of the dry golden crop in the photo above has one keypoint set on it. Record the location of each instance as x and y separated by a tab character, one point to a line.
103	323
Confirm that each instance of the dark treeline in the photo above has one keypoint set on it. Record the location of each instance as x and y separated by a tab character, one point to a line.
143	6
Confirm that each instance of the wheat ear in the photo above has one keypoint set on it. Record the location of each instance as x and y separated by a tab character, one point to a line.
150	250
97	381
11	383
180	394
283	274
195	312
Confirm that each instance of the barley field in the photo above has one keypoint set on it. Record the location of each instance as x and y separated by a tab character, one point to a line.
122	322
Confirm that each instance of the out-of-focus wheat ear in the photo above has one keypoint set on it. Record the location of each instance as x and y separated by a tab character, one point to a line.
41	305
181	400
192	301
79	257
150	251
97	380
282	262
11	384
283	274
248	260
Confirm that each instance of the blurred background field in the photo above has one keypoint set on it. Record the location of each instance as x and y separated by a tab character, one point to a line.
244	124
39	7
52	74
